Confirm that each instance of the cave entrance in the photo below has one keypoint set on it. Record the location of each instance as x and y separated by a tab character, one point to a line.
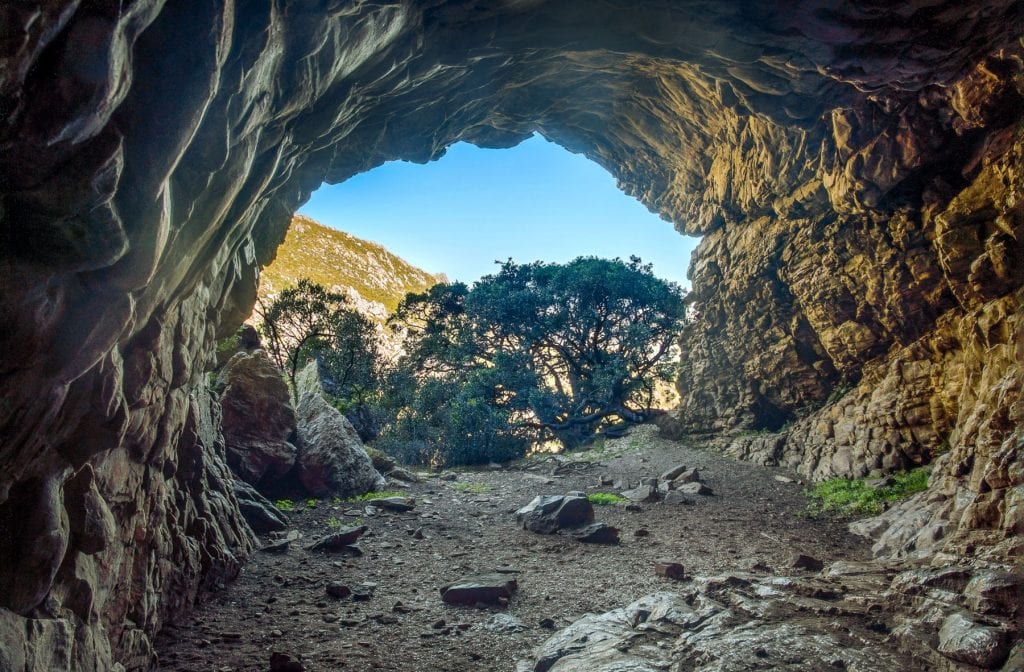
535	201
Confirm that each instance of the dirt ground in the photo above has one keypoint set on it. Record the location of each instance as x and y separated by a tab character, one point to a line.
279	604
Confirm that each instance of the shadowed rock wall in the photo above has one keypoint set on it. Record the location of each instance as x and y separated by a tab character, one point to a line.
151	154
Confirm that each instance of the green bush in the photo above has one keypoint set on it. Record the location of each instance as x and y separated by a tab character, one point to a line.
285	505
857	497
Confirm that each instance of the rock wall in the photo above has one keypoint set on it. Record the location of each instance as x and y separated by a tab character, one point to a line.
151	154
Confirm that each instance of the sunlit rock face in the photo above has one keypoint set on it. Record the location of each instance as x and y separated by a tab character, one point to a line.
856	174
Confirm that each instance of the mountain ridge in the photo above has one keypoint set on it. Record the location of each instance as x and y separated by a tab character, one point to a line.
374	278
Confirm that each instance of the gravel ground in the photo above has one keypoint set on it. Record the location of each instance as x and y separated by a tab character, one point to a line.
278	603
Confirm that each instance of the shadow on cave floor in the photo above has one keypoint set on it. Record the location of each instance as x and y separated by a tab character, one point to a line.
467	525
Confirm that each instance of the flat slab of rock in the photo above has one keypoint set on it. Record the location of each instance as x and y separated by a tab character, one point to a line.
339	540
686	476
547	514
672	473
695	488
643	493
490	588
399	504
595	533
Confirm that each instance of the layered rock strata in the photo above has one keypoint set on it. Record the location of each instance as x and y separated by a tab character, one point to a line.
151	154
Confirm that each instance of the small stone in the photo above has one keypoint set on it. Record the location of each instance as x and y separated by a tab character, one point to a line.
650	480
670	570
397	504
687	476
283	662
338	589
672	473
418	533
694	488
363	592
546	624
675	498
642	493
339	540
596	533
484	589
808	562
642	532
784	479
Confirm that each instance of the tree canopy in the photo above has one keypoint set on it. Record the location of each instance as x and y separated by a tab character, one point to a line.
539	351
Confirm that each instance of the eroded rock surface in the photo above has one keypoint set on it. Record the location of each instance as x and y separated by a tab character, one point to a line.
855	171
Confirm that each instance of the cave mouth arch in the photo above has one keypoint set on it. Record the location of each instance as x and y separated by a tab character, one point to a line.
154	152
535	201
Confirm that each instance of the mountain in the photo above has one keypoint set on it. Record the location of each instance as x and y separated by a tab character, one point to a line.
374	278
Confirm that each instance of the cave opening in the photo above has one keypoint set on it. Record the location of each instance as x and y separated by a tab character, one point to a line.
537	201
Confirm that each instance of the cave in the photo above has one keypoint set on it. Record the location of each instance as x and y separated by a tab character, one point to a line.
854	170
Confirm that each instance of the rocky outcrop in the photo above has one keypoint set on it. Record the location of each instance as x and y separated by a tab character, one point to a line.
259	419
331	459
852	168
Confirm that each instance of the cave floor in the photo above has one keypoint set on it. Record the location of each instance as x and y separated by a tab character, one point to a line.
278	603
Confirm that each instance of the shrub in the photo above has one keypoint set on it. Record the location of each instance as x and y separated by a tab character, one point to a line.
605	498
857	497
285	505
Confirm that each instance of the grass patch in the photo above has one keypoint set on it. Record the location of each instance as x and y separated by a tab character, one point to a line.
366	496
285	505
605	498
474	488
856	497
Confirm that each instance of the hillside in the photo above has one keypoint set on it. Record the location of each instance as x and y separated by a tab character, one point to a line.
372	276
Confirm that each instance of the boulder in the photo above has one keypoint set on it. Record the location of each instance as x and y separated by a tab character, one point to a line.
257	510
673	472
331	459
694	489
670	570
964	639
492	588
595	533
258	418
547	514
686	476
642	493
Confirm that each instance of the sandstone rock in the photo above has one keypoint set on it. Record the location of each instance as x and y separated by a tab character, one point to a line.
642	493
259	420
331	460
969	642
493	588
547	514
670	570
595	533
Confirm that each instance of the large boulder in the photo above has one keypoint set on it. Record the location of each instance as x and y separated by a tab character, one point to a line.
258	418
331	458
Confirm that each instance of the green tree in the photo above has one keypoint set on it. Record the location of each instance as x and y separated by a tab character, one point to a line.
550	350
308	322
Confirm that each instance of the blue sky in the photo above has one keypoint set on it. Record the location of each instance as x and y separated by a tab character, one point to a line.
535	201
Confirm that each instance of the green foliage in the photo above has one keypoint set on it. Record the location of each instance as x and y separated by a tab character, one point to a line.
311	503
230	343
333	522
308	322
285	505
472	488
605	498
366	496
856	496
532	353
